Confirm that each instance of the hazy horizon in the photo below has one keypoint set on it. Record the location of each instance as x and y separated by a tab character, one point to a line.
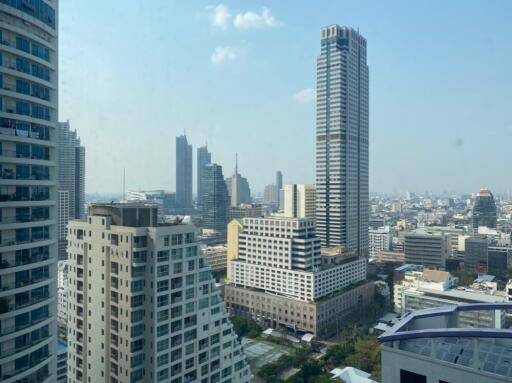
241	77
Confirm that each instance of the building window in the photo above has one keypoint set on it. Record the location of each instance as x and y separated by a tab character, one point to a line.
411	377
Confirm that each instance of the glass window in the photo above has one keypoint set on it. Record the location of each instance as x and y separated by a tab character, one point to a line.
22	44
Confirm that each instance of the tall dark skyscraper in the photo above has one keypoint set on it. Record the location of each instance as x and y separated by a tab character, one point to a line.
204	157
183	173
279	184
215	199
484	210
342	140
71	182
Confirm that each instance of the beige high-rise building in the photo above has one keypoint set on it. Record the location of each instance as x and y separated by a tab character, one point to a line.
235	227
299	200
142	303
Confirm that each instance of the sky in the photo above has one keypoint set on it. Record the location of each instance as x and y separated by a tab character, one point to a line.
241	77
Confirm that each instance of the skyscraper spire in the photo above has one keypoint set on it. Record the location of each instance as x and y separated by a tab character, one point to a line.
236	163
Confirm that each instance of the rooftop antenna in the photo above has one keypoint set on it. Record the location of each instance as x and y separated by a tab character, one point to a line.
236	163
124	184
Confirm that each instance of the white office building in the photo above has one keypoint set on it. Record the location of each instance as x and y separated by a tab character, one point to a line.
282	255
280	278
143	306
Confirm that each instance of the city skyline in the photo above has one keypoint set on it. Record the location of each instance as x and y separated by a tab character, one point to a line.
458	115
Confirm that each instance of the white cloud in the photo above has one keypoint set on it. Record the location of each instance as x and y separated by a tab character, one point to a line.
305	96
249	20
223	54
220	16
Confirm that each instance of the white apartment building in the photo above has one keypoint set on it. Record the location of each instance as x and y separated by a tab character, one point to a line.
282	256
62	305
379	240
143	306
299	200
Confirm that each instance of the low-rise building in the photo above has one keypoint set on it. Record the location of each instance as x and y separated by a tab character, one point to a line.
432	288
217	257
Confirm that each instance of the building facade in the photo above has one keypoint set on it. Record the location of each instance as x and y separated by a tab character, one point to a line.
428	250
238	188
71	182
379	240
484	210
143	304
28	190
279	186
217	257
342	130
475	254
300	201
279	261
270	196
215	199
183	173
204	157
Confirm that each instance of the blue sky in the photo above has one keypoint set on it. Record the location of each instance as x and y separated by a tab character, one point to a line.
240	75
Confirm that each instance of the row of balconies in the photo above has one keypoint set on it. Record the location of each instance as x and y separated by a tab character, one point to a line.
11	260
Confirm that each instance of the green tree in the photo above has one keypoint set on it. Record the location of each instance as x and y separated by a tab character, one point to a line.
465	278
244	327
366	356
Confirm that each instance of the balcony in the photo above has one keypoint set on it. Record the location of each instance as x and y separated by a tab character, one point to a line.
7	128
6	263
25	218
16	154
6	330
11	175
24	240
23	198
5	352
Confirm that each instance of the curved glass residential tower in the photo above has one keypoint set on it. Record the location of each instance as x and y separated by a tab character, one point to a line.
28	249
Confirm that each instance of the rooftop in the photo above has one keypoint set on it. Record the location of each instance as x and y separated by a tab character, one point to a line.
434	333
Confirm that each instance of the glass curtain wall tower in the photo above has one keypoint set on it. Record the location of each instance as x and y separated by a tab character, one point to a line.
28	176
342	140
204	157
